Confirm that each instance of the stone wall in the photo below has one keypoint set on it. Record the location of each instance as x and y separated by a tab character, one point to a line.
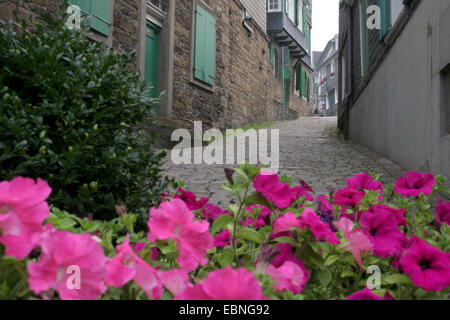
246	87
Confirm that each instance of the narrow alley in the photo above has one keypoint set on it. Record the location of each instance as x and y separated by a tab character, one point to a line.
310	149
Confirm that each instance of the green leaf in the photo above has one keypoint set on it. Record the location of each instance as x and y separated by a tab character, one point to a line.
250	235
225	258
325	277
330	260
221	222
66	223
347	274
257	198
397	279
289	240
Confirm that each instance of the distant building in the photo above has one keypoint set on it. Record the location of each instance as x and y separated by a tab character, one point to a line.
224	62
326	79
394	88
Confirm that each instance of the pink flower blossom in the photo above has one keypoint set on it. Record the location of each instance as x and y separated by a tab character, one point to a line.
223	239
211	212
190	199
413	184
175	280
365	294
269	186
427	266
348	197
357	241
382	230
289	276
443	212
22	211
298	192
263	218
225	284
283	224
363	181
318	228
397	213
173	220
127	266
62	251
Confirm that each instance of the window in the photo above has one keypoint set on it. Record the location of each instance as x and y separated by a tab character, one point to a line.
99	10
364	37
390	11
446	101
396	9
300	15
204	46
273	5
331	97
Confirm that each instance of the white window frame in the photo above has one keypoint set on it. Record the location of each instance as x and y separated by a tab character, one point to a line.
274	6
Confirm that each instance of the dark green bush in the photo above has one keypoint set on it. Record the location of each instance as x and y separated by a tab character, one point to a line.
69	109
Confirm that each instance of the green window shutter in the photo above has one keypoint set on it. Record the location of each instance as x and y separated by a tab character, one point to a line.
200	43
296	12
100	10
272	52
308	94
385	8
303	82
304	18
210	50
204	48
297	77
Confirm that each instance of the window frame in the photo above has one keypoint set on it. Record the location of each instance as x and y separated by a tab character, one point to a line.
272	3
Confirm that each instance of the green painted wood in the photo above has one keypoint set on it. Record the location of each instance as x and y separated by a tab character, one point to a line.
100	10
152	58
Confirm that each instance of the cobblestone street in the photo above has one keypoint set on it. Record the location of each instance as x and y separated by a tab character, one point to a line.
309	150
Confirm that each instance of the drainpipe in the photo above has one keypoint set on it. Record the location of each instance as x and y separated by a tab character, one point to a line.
350	64
283	80
244	21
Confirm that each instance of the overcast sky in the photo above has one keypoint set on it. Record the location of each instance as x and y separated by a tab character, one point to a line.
325	19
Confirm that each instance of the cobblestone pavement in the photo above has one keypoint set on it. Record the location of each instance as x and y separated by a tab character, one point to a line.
309	149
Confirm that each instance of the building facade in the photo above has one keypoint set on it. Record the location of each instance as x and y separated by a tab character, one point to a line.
394	88
326	80
224	62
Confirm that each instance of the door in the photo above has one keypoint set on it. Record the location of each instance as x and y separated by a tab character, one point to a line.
152	58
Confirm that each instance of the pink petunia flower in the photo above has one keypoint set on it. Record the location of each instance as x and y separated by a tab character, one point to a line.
269	186
318	228
289	276
363	181
172	220
175	280
283	224
127	266
225	284
443	212
72	264
223	239
413	184
348	197
211	212
397	213
357	241
298	192
263	218
22	211
382	230
190	199
365	294
427	266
